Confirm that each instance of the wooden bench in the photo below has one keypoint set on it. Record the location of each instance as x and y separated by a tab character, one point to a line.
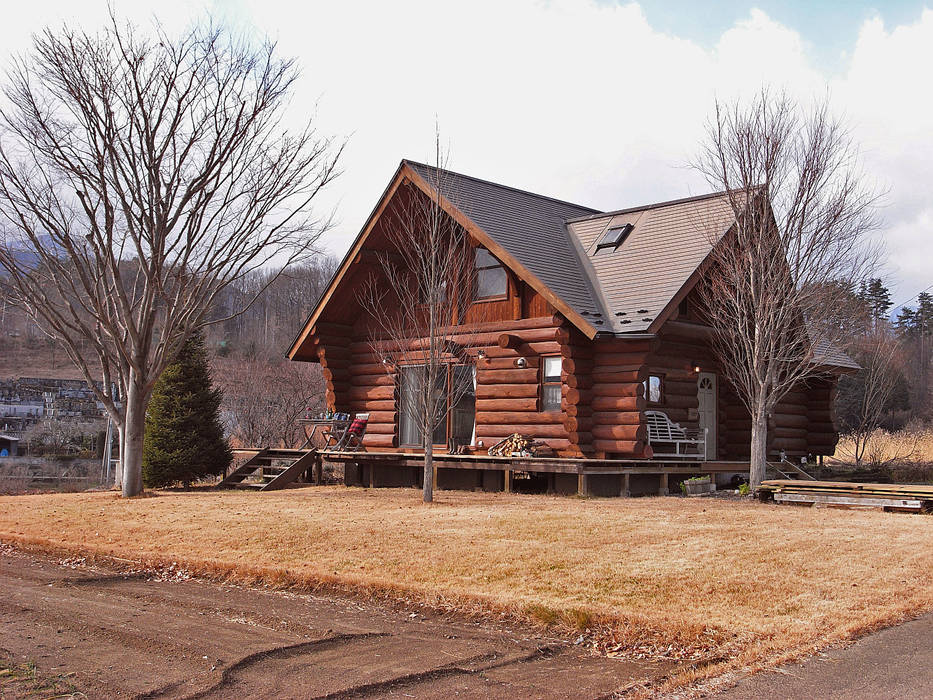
662	430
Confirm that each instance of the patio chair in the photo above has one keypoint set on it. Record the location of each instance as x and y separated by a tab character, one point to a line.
352	438
687	442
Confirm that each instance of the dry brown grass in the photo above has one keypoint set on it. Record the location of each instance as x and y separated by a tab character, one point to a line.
743	581
912	445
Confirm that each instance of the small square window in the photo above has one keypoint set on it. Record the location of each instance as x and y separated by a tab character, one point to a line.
615	236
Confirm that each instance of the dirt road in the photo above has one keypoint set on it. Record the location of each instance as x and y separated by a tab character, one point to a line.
117	635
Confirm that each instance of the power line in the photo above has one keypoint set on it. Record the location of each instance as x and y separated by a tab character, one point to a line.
897	306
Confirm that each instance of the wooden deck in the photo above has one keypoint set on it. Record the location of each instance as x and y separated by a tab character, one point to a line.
613	477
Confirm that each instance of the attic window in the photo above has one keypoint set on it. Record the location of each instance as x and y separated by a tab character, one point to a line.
491	279
614	236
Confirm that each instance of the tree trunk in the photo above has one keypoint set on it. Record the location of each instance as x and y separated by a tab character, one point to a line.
428	467
134	431
759	450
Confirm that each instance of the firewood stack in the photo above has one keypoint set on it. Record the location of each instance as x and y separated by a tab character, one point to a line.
515	445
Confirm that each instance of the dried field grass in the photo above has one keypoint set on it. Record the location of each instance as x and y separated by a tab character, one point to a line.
737	583
912	445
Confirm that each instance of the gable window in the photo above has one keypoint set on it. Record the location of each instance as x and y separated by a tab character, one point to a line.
550	383
614	237
492	281
654	388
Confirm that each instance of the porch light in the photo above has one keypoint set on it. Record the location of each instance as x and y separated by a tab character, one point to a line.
696	367
521	362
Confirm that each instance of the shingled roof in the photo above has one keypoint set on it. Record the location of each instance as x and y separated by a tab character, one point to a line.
621	290
530	226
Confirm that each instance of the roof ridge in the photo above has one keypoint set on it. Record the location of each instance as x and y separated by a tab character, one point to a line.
408	161
646	207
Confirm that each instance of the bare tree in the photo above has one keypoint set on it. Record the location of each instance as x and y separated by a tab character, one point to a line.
264	397
421	294
140	178
878	354
800	240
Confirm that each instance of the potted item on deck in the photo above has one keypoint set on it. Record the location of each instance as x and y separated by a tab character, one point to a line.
697	485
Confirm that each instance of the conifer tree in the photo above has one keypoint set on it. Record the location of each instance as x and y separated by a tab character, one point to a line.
184	438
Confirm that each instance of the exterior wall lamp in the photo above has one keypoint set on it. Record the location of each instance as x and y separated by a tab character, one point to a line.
521	362
696	367
481	355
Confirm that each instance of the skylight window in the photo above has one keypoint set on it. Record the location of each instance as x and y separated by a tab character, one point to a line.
615	236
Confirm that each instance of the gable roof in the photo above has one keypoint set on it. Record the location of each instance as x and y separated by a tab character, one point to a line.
530	226
641	279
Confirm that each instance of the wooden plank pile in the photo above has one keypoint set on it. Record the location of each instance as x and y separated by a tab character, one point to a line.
843	494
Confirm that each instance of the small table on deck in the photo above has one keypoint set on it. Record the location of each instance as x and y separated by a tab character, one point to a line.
338	428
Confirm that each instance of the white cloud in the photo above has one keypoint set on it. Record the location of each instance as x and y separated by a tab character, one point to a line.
579	100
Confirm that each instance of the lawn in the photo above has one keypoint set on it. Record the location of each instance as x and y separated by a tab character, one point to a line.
737	580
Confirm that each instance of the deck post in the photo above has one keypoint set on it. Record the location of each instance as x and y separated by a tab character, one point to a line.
319	470
625	491
507	480
372	475
662	490
583	486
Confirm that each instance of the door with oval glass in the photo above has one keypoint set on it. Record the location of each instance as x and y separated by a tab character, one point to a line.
706	394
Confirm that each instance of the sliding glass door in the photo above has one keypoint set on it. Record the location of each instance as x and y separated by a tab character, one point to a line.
454	400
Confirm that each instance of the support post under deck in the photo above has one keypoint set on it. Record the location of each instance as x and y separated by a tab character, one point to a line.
662	489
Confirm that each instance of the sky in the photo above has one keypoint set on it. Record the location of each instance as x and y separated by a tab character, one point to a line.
599	102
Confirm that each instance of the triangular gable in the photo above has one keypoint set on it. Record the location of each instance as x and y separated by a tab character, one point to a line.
405	172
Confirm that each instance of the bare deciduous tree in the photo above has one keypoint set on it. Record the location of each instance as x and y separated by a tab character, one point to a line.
264	397
140	178
423	290
800	240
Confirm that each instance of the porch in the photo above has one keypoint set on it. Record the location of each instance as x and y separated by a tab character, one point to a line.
553	475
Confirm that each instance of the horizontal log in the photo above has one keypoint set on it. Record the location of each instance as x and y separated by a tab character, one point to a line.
617	417
509	340
527	350
779	432
367	393
507	376
579	351
680	401
507	391
615	389
627	447
624	345
620	432
822	438
789	443
526	404
376	440
382	416
558	444
633	374
609	359
535	431
519	417
370	405
680	388
383	379
789	420
618	403
491	363
381	428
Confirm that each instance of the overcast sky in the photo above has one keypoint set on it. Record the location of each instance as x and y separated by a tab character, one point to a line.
601	103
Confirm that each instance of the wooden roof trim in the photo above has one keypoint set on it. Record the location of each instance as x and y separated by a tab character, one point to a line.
348	259
501	253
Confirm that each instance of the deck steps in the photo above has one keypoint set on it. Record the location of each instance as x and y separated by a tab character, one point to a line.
274	467
844	494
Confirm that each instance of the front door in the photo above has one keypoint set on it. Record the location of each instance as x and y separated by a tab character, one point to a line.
706	393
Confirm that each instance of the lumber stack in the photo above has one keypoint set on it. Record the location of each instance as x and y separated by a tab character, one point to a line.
844	494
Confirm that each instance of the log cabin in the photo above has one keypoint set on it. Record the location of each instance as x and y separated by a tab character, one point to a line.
589	333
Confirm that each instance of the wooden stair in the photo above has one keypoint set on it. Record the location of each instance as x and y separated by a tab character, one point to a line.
789	471
275	467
